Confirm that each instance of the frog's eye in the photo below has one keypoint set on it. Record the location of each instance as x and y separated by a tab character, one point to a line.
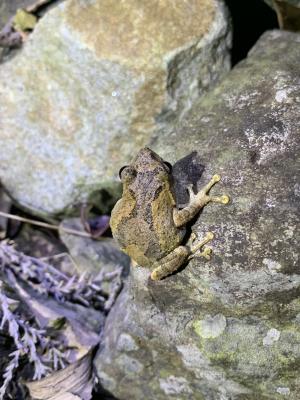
121	169
169	166
127	173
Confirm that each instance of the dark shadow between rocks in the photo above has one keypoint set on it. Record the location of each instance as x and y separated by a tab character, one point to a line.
102	394
250	19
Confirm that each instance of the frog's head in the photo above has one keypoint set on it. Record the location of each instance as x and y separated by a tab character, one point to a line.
146	161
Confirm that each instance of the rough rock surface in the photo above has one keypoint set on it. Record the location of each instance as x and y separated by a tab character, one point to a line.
228	328
91	85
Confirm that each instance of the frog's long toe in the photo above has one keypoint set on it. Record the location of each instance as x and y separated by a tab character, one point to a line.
216	178
224	199
208	237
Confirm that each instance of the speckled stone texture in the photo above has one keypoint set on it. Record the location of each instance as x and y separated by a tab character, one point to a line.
228	328
92	84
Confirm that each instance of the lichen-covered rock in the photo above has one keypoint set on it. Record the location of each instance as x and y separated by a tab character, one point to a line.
288	13
91	85
8	9
228	328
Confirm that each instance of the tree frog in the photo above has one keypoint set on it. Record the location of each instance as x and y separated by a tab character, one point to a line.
146	222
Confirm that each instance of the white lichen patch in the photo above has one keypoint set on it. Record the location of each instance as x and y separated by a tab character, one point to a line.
270	142
281	95
210	327
297	189
273	266
126	343
282	79
270	202
129	364
271	337
289	230
205	119
283	87
238	179
196	362
173	386
285	391
241	101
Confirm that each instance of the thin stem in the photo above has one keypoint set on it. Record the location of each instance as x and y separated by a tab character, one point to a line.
46	225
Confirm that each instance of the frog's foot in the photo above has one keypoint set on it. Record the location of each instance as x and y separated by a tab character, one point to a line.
202	195
198	201
206	253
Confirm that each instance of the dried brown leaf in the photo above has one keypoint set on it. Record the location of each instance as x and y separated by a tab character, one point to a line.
75	380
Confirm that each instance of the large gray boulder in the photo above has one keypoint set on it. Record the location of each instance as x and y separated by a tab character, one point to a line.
228	328
92	84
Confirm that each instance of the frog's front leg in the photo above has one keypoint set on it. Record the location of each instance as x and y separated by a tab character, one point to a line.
198	201
178	257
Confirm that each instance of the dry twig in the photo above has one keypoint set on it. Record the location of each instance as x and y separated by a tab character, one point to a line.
45	225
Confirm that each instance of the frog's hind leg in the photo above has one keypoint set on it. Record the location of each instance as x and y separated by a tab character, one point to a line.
170	263
178	257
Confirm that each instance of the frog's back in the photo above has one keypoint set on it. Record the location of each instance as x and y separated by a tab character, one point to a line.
142	221
146	230
167	234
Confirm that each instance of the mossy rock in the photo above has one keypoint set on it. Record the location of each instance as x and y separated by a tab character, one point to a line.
228	328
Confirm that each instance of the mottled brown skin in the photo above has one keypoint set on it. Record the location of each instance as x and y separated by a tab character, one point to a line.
146	222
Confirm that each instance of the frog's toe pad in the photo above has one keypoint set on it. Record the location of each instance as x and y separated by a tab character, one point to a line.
225	199
216	178
154	276
209	236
